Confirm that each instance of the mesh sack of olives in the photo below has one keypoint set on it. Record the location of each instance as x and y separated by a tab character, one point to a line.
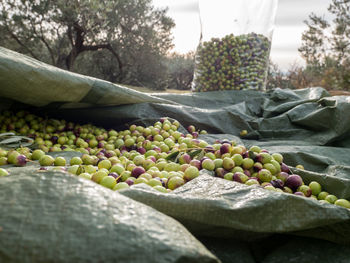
232	62
235	43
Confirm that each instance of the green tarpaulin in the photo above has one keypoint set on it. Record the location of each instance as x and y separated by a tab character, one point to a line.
54	217
238	223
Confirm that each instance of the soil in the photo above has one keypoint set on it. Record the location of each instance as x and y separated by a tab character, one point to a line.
339	93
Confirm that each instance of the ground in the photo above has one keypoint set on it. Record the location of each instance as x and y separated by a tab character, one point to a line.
339	93
146	90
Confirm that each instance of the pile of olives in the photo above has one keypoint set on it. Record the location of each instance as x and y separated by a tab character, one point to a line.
158	155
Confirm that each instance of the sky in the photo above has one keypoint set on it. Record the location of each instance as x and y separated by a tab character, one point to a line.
286	38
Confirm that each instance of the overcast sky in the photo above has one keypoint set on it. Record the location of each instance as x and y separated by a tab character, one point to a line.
286	36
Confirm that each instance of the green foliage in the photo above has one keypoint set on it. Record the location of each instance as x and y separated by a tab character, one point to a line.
276	78
180	70
326	47
296	77
9	140
122	41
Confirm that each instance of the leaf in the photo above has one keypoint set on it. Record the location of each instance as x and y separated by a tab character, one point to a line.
195	153
25	138
80	170
10	140
26	144
200	155
6	134
177	157
252	155
12	145
172	156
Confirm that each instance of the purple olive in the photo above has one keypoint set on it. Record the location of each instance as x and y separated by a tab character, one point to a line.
157	149
305	189
163	181
220	172
100	155
132	148
137	171
152	158
100	145
258	158
185	158
277	183
294	181
209	149
285	168
109	154
191	129
240	177
196	163
21	160
102	151
149	138
54	139
257	166
282	176
247	173
113	174
123	149
141	150
129	181
225	148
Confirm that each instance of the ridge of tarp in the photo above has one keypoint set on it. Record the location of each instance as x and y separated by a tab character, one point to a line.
35	83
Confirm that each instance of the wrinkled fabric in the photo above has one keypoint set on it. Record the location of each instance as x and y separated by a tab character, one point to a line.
237	223
57	217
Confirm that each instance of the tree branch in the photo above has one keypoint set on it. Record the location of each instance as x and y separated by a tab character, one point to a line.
77	44
60	57
110	48
70	36
41	37
20	42
46	44
79	38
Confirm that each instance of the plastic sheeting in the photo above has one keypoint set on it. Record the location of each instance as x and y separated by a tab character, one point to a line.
307	126
54	217
35	83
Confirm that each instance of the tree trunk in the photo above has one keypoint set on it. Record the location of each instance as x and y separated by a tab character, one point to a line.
78	47
70	59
